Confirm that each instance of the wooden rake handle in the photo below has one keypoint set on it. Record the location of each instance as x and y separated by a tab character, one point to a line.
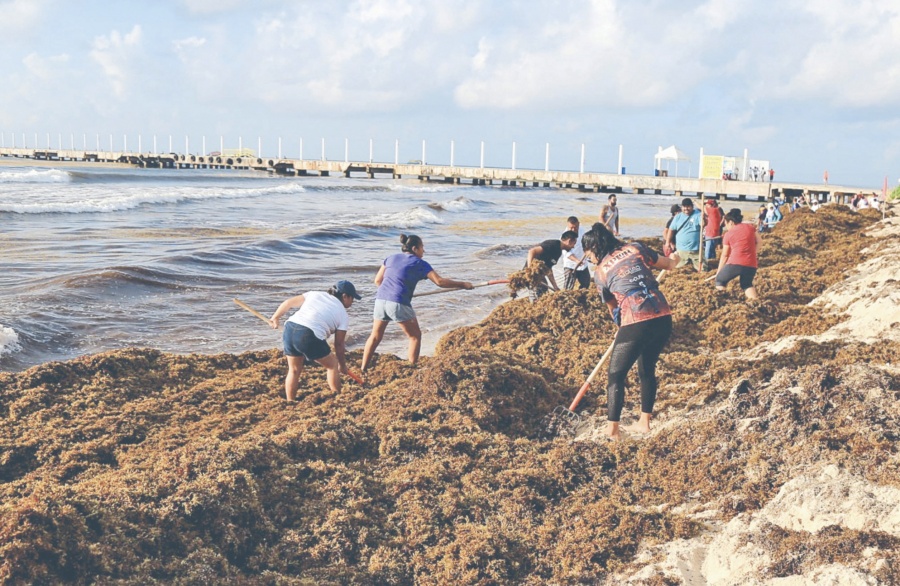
251	310
587	383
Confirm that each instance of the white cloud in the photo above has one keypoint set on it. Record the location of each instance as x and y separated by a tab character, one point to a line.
212	6
20	15
45	68
114	54
364	55
853	60
584	56
186	45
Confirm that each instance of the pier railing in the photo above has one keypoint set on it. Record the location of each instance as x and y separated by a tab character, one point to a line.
509	177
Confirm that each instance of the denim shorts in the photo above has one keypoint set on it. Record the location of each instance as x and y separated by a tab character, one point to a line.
301	341
393	311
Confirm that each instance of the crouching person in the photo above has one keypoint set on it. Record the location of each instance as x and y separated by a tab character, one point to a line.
306	333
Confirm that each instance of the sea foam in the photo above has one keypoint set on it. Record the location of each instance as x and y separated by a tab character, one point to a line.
9	341
91	202
411	218
34	176
457	204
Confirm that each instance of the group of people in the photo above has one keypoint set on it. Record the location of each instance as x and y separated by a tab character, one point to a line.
622	275
322	314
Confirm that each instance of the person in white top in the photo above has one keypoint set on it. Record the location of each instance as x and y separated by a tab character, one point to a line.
609	214
574	269
305	333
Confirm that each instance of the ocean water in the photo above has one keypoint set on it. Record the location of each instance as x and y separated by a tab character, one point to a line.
93	259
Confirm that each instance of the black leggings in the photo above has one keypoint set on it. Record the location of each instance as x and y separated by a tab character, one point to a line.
642	343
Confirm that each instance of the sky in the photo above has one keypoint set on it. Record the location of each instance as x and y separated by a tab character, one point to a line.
807	85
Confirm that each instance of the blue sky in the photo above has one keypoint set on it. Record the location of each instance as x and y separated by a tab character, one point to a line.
808	85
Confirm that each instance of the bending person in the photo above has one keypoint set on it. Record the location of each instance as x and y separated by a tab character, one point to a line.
638	307
549	252
397	279
305	333
739	246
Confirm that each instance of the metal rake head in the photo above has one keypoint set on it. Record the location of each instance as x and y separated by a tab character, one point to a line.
561	422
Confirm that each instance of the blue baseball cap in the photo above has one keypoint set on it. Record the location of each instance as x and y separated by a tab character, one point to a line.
347	288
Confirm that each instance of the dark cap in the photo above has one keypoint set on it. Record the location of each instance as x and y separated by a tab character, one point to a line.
687	202
347	288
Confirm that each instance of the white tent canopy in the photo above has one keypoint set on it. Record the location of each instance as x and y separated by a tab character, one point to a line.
672	153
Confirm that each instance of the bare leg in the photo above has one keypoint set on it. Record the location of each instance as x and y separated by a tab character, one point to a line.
750	292
612	430
330	363
292	380
411	329
375	337
642	425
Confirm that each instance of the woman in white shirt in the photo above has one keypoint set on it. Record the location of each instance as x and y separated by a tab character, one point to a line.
305	333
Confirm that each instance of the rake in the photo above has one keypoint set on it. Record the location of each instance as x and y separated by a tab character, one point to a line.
564	421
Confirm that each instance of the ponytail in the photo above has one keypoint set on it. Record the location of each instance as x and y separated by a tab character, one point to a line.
600	241
409	242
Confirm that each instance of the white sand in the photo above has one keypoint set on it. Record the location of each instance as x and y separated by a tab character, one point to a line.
869	296
735	553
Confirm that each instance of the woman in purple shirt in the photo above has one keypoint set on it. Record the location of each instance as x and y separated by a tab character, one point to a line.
397	279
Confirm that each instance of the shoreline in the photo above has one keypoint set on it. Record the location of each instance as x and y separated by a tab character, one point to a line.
444	469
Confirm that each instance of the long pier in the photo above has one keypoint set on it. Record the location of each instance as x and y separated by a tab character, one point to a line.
598	182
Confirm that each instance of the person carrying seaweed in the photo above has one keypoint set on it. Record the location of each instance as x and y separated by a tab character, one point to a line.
547	253
397	279
305	333
637	306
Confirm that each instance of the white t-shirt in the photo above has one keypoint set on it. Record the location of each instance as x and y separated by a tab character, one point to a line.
577	252
322	313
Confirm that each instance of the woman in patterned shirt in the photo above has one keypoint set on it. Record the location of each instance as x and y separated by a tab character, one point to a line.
638	307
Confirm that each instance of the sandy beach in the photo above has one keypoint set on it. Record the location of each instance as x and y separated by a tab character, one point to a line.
772	461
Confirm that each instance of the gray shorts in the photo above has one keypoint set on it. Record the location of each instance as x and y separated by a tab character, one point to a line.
393	311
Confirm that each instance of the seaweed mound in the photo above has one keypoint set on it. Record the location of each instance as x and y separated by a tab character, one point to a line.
137	466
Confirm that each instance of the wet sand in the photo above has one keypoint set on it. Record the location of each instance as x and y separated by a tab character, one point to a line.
773	453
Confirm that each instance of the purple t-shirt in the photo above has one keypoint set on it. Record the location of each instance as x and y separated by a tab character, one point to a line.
625	274
402	272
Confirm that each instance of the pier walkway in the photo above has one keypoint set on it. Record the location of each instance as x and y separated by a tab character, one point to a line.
599	182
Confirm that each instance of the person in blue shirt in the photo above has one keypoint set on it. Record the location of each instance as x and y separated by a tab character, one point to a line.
684	234
397	279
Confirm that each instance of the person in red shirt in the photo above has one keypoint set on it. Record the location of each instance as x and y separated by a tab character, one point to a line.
712	233
739	246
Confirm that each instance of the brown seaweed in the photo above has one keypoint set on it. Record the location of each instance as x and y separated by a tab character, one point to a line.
137	466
